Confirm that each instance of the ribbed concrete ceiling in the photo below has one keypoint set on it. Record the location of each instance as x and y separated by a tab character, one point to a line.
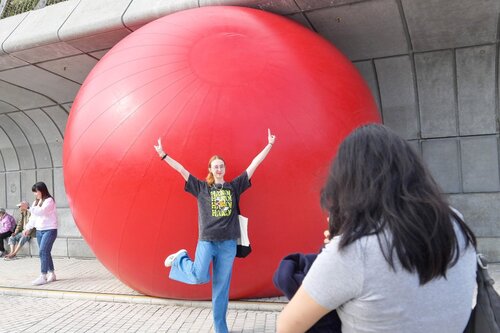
46	54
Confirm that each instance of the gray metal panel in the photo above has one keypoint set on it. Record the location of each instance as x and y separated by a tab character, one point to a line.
441	156
480	164
59	189
141	12
46	52
51	135
45	175
480	212
5	107
75	68
490	247
99	54
360	38
99	41
58	116
8	61
78	248
367	70
36	140
43	82
397	93
13	185
22	98
476	90
415	145
441	24
67	226
436	82
282	7
316	4
28	178
8	152
20	143
2	163
67	107
301	19
3	190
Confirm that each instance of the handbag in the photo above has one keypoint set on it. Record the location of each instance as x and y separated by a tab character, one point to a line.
485	317
243	247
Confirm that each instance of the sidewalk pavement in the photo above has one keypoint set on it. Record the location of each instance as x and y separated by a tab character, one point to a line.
87	298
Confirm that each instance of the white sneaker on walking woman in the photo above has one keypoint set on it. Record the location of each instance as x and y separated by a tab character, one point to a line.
42	279
51	277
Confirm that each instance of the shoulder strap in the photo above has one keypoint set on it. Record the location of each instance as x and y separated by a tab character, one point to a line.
237	205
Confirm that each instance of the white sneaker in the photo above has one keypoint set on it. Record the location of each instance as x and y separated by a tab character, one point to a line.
39	281
170	259
2	253
51	277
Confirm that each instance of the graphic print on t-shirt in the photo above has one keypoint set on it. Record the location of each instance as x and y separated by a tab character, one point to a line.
222	202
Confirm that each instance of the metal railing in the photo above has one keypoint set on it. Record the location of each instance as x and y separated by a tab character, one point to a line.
14	7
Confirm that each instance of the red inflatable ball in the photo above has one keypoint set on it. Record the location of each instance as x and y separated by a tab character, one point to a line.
208	81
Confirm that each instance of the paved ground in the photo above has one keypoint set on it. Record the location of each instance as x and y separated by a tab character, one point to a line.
87	298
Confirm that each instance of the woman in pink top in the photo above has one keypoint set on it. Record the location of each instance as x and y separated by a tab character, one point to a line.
44	219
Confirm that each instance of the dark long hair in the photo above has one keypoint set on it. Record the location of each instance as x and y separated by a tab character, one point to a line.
40	186
379	186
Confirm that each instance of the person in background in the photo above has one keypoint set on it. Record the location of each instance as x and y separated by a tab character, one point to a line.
7	225
44	219
398	258
17	239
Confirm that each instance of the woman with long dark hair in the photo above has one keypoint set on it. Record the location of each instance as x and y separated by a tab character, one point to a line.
399	258
218	228
44	219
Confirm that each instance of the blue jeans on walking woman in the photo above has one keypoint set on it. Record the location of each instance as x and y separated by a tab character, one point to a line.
197	272
45	240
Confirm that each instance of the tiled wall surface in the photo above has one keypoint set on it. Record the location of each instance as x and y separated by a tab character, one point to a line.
432	66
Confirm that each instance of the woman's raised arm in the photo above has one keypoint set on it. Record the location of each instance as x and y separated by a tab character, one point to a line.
262	155
170	161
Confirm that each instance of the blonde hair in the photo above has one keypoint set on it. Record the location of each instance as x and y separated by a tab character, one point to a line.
210	177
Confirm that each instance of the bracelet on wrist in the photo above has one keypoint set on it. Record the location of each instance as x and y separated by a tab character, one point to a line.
164	156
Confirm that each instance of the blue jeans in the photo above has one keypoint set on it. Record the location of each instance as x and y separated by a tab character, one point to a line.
197	272
45	240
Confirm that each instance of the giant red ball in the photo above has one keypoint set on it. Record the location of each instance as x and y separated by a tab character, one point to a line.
208	81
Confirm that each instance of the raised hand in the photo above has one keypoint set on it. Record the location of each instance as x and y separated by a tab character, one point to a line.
270	137
159	148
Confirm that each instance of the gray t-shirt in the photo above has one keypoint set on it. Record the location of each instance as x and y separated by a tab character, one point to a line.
217	207
370	297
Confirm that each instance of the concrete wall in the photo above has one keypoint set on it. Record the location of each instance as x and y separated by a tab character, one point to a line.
432	65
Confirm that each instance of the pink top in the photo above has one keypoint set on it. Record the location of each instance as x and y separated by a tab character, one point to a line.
7	223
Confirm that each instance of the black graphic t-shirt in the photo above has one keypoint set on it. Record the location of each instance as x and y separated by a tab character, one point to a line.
217	212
